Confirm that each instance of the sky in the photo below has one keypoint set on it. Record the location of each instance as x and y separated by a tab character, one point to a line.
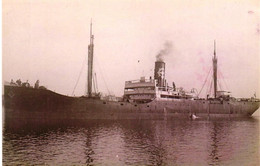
48	40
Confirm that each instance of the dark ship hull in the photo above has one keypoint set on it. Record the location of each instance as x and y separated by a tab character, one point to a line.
143	99
30	103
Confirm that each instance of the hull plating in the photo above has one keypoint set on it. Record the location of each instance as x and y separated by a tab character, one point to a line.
29	103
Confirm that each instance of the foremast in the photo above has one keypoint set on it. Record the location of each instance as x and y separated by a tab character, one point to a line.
215	69
90	62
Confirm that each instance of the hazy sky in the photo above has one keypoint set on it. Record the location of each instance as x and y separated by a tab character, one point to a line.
48	40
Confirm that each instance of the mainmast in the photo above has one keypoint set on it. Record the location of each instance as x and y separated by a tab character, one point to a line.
215	68
90	61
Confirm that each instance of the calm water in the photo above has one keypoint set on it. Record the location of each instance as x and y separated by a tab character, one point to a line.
137	142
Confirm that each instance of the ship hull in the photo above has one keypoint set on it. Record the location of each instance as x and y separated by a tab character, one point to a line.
29	103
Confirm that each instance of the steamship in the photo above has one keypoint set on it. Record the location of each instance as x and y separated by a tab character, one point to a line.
150	98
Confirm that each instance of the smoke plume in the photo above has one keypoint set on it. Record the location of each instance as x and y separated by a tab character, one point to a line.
167	49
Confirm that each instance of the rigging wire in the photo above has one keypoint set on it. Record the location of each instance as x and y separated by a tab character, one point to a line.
94	85
102	76
83	64
204	82
219	84
96	82
223	79
208	91
210	87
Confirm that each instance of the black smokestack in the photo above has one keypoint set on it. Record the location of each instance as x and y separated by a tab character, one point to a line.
167	49
159	73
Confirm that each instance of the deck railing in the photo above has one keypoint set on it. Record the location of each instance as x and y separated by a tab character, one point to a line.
144	91
140	83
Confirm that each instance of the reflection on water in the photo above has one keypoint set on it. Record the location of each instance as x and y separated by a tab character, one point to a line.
135	142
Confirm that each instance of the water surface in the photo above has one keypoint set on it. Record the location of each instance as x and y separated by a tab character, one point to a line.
132	142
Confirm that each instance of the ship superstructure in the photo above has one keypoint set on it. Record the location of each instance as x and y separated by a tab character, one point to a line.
146	90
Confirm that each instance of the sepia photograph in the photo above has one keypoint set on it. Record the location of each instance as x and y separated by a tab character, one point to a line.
131	82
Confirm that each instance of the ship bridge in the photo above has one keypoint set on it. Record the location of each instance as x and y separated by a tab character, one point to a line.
141	91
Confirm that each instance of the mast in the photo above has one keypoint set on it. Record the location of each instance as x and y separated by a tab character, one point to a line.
215	61
90	62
